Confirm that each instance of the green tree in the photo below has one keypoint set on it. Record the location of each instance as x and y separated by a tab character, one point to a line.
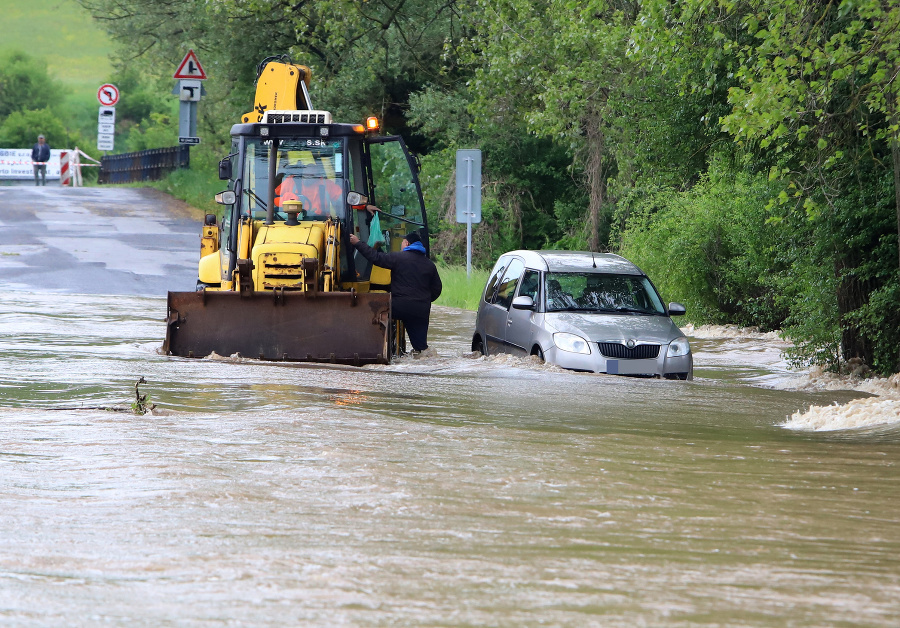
25	83
812	101
21	128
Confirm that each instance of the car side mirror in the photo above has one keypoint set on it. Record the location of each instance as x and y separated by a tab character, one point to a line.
676	309
226	198
523	303
225	169
355	199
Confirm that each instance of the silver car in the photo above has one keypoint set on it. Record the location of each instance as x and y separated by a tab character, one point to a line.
583	311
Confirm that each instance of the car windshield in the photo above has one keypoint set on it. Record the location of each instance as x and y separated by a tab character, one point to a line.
597	292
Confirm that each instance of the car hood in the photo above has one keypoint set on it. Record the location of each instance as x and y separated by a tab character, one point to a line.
615	327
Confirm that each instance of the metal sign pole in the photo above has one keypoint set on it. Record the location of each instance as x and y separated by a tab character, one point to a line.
469	219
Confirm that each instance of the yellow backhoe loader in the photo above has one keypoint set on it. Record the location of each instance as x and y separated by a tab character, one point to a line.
278	278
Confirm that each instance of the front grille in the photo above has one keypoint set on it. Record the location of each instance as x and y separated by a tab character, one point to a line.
617	350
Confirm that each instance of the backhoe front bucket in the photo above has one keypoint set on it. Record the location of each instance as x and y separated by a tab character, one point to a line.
339	327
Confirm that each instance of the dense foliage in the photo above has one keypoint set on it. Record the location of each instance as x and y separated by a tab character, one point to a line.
745	153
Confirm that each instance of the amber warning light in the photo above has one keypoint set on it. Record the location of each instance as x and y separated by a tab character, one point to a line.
372	123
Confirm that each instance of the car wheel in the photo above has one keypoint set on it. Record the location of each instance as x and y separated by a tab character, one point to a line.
478	345
536	350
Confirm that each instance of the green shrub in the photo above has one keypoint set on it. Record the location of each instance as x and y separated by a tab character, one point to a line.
21	128
712	249
25	83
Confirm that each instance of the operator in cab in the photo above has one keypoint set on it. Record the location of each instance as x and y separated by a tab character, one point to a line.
309	182
415	284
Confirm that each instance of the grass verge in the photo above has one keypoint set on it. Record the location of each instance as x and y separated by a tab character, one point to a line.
459	290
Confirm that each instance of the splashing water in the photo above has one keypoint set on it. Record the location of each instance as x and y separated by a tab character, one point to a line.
859	413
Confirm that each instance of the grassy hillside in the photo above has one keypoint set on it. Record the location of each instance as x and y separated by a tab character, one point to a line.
74	47
65	36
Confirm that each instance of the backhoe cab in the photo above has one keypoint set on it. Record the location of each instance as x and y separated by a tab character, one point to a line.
278	278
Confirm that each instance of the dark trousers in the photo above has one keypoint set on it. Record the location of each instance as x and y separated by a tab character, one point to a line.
415	318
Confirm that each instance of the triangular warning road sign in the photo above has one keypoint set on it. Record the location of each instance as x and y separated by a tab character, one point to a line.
190	68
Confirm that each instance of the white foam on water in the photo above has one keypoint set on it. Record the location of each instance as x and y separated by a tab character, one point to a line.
717	332
818	378
859	413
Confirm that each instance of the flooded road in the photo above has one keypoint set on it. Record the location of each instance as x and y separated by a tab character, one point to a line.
445	491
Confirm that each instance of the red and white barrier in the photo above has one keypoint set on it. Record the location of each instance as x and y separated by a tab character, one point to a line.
77	154
65	175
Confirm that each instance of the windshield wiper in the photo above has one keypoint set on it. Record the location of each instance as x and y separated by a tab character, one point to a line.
634	310
583	309
258	200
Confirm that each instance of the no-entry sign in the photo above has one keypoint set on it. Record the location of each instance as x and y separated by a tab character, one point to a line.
108	95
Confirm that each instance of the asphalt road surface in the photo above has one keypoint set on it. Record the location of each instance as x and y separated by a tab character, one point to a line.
101	240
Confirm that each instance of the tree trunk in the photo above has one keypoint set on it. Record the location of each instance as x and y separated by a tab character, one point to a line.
852	294
895	154
595	178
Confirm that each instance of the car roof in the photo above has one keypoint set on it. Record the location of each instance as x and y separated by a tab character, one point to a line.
577	261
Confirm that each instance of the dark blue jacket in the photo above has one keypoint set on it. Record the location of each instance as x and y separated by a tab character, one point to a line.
414	278
40	152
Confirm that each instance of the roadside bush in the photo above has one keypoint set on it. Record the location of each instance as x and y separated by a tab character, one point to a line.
21	128
712	249
879	319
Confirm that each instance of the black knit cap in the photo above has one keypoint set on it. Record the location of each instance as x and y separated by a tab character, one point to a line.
412	237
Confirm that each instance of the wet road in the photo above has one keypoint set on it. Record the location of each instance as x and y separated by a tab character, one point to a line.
95	241
447	491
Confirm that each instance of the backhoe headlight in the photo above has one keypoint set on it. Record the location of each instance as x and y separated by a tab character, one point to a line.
571	343
678	347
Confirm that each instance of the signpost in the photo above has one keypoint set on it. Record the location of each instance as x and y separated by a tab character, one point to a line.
468	195
189	89
190	68
106	126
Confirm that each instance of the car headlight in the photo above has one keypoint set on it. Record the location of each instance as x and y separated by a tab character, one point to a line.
678	347
571	343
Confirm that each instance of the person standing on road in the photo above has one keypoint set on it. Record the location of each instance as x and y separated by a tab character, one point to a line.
40	155
415	284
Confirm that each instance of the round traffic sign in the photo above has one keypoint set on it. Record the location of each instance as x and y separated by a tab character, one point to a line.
108	95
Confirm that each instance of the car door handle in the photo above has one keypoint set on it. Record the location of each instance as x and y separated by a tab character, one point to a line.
508	322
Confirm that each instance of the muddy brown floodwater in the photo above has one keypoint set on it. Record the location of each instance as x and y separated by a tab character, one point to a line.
445	491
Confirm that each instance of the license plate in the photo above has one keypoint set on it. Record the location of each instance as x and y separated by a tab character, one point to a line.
631	367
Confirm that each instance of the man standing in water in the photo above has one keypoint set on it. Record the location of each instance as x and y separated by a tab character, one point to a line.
415	284
40	155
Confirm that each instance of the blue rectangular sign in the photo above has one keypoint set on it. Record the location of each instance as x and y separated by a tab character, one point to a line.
468	185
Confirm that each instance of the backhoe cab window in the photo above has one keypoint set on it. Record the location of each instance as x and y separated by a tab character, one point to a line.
309	170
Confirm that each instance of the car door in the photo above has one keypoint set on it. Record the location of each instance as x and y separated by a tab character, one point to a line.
520	323
497	311
490	319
